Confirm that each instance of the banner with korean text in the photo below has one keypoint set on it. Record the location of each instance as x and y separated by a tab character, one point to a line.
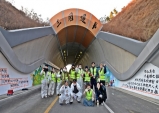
11	79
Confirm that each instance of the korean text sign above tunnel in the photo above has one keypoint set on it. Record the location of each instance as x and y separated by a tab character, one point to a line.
77	17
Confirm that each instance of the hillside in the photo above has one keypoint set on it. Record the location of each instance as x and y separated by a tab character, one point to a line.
138	20
12	18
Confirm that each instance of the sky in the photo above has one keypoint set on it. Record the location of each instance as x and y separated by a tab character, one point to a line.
48	8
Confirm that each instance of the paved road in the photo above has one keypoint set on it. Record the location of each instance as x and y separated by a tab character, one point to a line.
117	101
26	104
77	108
121	102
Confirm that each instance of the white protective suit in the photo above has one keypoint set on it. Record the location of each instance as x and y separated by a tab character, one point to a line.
65	94
75	95
58	76
51	85
44	84
80	80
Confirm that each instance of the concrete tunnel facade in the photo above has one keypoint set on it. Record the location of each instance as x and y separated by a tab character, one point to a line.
76	42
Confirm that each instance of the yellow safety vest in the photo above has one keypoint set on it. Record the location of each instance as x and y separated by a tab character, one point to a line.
43	76
87	77
80	71
95	70
72	75
89	94
59	78
65	77
53	77
101	75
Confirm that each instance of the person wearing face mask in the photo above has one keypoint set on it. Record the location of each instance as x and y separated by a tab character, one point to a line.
65	93
77	68
101	73
104	92
100	95
59	81
52	82
93	71
65	75
80	73
89	96
44	82
87	76
72	73
75	92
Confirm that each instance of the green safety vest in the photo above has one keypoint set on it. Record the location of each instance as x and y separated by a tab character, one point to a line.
65	76
72	75
95	70
80	71
53	77
87	77
102	75
59	78
43	76
49	74
89	94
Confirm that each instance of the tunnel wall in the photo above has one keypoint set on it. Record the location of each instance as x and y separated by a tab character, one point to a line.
100	51
11	78
122	64
33	50
126	52
44	47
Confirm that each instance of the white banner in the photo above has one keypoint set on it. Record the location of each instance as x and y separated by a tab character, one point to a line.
11	78
145	82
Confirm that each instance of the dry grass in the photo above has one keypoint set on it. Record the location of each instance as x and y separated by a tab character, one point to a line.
12	18
138	20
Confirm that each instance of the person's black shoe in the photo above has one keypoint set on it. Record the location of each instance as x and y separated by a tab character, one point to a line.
71	102
58	94
78	101
61	104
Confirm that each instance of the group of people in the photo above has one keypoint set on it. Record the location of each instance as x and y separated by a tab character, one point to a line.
69	85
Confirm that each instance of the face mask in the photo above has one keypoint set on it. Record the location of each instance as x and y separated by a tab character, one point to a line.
64	70
80	67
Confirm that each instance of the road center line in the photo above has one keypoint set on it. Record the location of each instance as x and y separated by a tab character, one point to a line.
51	105
108	108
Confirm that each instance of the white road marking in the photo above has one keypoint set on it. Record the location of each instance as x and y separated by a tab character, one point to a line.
108	108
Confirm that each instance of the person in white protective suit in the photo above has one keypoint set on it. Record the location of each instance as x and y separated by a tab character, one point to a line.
52	82
75	92
44	82
80	73
65	93
77	68
59	76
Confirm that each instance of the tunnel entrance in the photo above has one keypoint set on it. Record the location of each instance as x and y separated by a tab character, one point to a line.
75	29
